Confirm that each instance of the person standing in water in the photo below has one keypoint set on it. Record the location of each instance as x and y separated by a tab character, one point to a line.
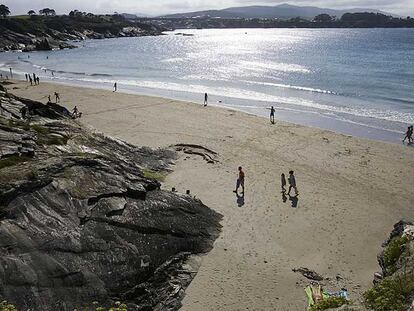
11	73
115	87
240	180
205	99
27	79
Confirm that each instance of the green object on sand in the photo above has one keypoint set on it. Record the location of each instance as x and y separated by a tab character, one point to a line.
308	292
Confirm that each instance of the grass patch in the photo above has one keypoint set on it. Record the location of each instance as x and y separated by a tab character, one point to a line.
19	124
41	130
393	252
328	303
13	160
53	140
150	174
391	294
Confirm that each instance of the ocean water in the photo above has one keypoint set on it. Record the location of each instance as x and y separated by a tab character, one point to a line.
354	81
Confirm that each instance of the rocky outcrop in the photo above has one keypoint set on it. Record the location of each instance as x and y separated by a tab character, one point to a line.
41	33
80	221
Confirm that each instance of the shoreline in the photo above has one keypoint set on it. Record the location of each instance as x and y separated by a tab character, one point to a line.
338	126
352	191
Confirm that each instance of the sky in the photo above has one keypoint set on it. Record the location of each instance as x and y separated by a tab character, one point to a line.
160	7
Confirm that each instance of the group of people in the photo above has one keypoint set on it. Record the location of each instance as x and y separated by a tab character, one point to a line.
35	80
291	180
57	98
409	135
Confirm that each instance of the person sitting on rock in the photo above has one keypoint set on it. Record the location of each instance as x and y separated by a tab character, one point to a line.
75	112
23	111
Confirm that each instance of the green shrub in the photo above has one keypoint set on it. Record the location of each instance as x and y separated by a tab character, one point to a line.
393	252
5	306
391	294
331	302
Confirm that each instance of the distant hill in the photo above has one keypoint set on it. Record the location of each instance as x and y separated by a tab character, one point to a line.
282	11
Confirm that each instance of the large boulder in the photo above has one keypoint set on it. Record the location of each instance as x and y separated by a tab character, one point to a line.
80	221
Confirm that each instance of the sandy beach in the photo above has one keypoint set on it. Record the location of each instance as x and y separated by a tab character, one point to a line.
352	191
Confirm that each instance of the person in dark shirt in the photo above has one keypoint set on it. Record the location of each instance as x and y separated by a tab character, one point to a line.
292	183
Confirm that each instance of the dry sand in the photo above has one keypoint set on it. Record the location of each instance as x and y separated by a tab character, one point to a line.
352	191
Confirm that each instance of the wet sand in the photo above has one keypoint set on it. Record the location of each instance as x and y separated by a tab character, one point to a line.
352	191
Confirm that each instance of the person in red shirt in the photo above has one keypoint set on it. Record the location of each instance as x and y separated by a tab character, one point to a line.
240	180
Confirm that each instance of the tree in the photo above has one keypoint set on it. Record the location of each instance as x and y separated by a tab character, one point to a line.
4	11
31	13
323	18
47	12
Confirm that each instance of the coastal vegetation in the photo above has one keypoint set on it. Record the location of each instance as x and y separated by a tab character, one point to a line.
4	11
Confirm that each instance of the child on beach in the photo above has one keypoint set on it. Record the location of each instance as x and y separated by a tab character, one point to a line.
283	182
292	183
240	180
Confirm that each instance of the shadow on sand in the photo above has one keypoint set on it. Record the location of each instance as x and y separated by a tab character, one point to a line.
240	199
293	199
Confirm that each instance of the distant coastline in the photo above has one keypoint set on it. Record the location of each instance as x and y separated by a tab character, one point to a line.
347	20
41	33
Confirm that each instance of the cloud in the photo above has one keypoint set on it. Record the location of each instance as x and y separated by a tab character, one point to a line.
158	7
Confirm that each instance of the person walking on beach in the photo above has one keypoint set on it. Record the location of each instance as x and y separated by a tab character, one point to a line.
272	114
240	181
34	78
38	80
115	87
205	99
57	97
283	182
27	79
408	134
292	183
30	80
49	100
11	73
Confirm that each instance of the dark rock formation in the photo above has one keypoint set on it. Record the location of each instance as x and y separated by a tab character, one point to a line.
51	33
80	222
